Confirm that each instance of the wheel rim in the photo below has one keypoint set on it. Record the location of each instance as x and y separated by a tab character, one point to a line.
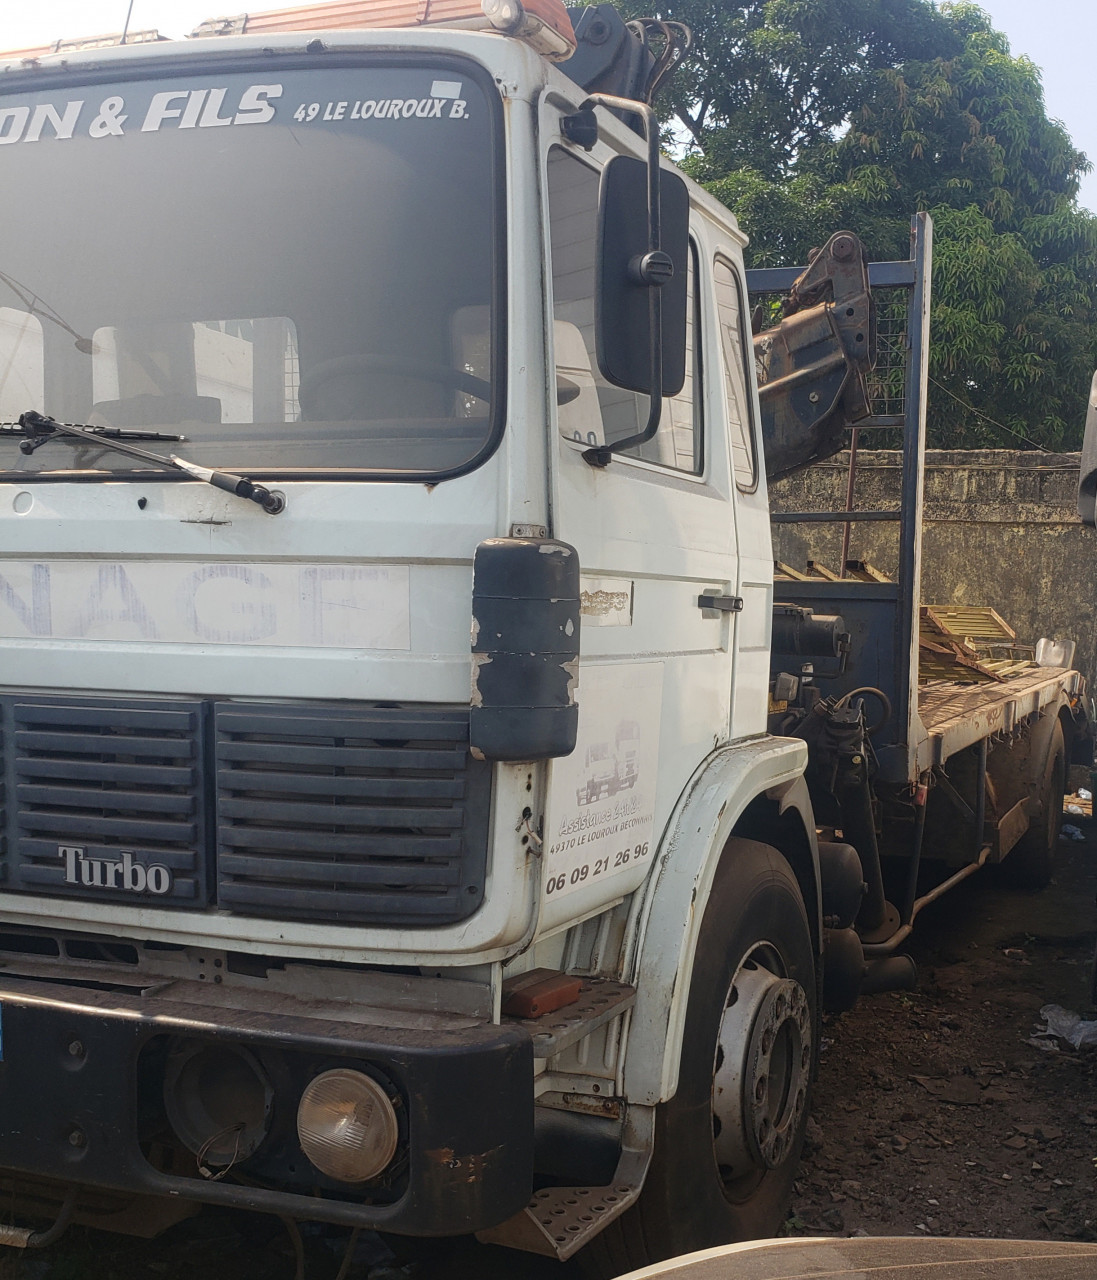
762	1068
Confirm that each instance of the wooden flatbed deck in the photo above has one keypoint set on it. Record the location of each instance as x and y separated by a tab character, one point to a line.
955	716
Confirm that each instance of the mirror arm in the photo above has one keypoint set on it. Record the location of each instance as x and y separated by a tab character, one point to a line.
646	271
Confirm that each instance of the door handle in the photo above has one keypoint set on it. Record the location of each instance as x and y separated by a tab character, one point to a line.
722	604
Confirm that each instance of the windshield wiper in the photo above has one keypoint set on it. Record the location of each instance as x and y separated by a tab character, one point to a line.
36	430
36	435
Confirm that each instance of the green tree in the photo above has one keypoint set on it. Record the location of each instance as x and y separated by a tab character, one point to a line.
1015	273
768	79
805	116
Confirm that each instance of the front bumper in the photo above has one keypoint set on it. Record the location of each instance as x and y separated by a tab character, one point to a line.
78	1085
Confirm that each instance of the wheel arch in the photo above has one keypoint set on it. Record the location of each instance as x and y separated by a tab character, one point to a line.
1072	731
752	790
787	822
1055	714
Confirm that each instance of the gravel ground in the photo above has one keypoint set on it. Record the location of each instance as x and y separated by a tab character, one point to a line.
934	1114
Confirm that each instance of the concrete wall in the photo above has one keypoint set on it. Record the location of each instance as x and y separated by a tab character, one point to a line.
1000	529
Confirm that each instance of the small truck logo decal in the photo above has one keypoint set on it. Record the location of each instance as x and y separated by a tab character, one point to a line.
109	873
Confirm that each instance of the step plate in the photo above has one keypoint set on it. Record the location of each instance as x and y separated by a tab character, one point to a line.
600	1001
559	1221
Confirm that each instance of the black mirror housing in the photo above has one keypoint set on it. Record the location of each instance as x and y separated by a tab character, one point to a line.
1087	480
625	265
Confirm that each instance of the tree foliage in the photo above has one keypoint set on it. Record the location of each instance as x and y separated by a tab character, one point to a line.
806	116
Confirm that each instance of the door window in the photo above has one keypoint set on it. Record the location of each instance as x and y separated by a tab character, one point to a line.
591	409
731	315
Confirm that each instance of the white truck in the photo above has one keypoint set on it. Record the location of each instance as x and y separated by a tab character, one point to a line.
324	341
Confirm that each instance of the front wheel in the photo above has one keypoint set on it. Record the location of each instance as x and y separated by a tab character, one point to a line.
727	1144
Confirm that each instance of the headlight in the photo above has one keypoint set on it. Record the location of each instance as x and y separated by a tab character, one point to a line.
219	1101
347	1125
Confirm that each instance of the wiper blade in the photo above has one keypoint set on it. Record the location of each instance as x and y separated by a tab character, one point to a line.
37	430
38	435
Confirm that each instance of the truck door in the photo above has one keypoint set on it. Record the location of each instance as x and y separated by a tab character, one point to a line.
734	362
655	531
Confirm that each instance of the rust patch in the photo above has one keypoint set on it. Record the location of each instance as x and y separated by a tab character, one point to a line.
469	1166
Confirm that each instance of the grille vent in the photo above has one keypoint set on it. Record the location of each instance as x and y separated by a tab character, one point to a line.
109	779
349	813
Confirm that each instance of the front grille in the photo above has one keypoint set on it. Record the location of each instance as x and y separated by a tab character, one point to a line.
349	813
104	798
343	812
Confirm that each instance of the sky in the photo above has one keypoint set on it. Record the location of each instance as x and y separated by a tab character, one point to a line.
1060	37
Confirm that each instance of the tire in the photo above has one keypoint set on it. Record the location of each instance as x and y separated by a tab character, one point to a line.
1030	862
754	971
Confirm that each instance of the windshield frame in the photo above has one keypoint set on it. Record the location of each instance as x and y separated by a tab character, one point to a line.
223	61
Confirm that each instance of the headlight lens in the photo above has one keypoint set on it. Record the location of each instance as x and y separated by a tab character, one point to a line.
347	1125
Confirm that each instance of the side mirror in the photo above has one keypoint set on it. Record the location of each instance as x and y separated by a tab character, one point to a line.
630	270
1087	480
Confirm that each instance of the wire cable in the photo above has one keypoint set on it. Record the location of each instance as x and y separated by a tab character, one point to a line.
348	1255
234	1130
294	1233
986	418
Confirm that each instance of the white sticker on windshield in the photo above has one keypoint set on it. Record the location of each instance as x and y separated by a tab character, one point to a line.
185	107
176	109
434	108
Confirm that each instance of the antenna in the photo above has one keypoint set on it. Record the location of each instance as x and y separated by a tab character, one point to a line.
125	29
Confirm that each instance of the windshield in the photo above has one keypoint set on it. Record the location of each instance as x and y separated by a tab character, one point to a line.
295	269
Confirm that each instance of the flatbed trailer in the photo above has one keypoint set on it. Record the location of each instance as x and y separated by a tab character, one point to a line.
961	715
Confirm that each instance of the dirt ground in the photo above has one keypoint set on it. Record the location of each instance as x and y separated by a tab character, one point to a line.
933	1114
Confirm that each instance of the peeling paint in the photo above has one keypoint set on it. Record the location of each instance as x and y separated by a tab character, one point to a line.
572	669
476	698
600	603
606	602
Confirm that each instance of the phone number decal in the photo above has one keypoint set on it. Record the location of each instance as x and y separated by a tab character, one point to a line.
601	810
588	870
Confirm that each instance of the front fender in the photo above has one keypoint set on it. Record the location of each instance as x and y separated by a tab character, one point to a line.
661	958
